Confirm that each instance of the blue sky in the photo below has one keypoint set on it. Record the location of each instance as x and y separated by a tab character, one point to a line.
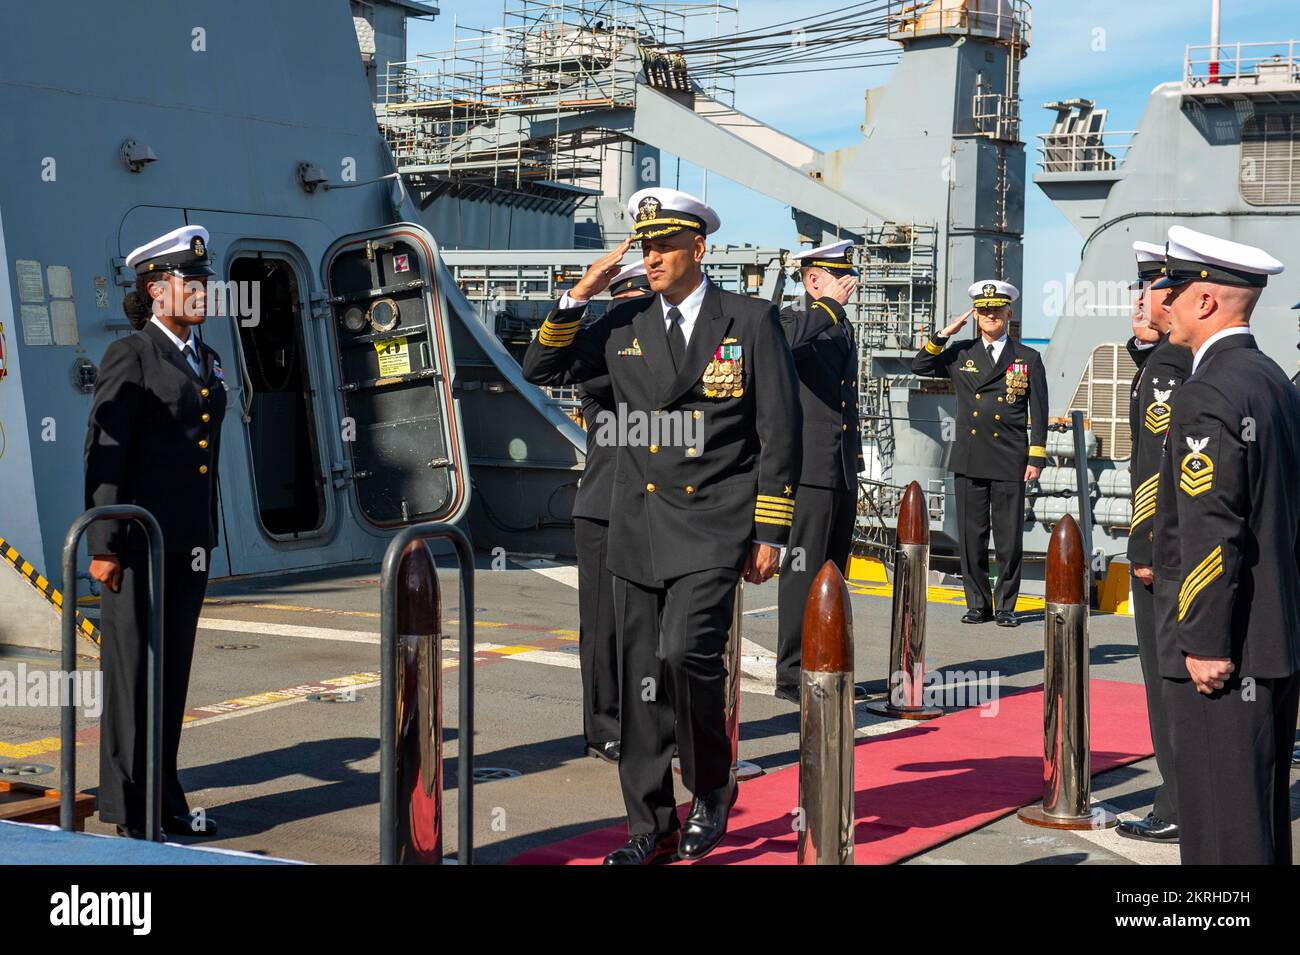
1110	51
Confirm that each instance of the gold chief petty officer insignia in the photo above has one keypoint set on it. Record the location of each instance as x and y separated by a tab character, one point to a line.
1017	380
724	377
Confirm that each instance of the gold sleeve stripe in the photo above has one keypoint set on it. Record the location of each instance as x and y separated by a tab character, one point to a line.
776	500
561	336
934	348
1144	499
775	515
1206	571
828	310
778	522
780	508
1037	451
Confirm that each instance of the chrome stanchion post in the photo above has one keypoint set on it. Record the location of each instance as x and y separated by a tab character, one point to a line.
1067	769
743	768
153	666
826	724
428	694
906	684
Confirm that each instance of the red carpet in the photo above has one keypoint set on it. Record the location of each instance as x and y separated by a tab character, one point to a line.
915	788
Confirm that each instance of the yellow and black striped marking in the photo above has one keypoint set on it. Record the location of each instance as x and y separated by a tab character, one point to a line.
46	589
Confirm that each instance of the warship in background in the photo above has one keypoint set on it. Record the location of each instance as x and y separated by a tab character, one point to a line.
408	222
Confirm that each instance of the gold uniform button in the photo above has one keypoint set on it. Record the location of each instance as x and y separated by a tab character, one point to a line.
842	404
844	427
999	397
203	469
691	452
654	449
696	415
203	442
978	396
995	434
689	489
972	430
203	392
650	488
997	417
205	417
974	414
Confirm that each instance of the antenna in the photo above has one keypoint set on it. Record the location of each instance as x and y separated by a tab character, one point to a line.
1214	40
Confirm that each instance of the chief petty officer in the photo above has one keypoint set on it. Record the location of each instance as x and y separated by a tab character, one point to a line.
688	517
1227	584
597	638
1162	368
1001	393
153	441
826	503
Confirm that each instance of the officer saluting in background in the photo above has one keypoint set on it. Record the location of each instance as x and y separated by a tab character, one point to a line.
152	441
691	512
1227	580
1001	393
597	636
1162	368
826	360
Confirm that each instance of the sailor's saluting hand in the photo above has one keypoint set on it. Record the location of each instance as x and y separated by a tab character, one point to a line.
601	273
1143	330
957	325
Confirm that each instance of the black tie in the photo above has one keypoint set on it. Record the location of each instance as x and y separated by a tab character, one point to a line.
992	355
676	338
191	359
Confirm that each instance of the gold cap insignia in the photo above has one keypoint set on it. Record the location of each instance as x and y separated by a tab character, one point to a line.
197	247
648	209
990	289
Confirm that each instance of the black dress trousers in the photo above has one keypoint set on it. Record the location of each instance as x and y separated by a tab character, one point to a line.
984	503
822	531
1144	621
124	662
597	637
1232	760
674	676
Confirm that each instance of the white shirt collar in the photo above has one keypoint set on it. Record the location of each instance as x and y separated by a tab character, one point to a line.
997	343
690	308
1221	333
180	345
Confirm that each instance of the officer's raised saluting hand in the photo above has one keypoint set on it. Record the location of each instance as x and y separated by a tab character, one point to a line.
957	326
841	288
1142	328
601	273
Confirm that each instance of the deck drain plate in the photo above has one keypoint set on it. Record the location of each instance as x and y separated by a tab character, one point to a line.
334	696
484	774
25	769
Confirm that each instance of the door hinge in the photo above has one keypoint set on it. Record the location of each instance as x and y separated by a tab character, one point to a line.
319	305
342	474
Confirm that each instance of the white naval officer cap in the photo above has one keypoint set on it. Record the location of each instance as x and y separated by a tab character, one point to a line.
183	251
632	277
992	293
1192	256
658	212
1150	261
836	258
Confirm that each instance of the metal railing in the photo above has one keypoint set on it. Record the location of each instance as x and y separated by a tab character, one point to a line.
154	667
1084	151
1274	63
388	643
1010	21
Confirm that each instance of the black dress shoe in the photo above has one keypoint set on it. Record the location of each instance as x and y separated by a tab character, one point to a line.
131	832
609	751
649	848
859	693
1150	829
976	616
1005	618
788	693
197	824
706	823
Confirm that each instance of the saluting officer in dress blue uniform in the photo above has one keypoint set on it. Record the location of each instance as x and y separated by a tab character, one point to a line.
704	492
1227	561
1001	394
153	441
826	360
1162	368
597	636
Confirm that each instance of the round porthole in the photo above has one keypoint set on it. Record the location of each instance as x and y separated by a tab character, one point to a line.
383	315
354	319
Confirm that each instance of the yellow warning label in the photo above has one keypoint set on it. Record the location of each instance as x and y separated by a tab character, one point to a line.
394	357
